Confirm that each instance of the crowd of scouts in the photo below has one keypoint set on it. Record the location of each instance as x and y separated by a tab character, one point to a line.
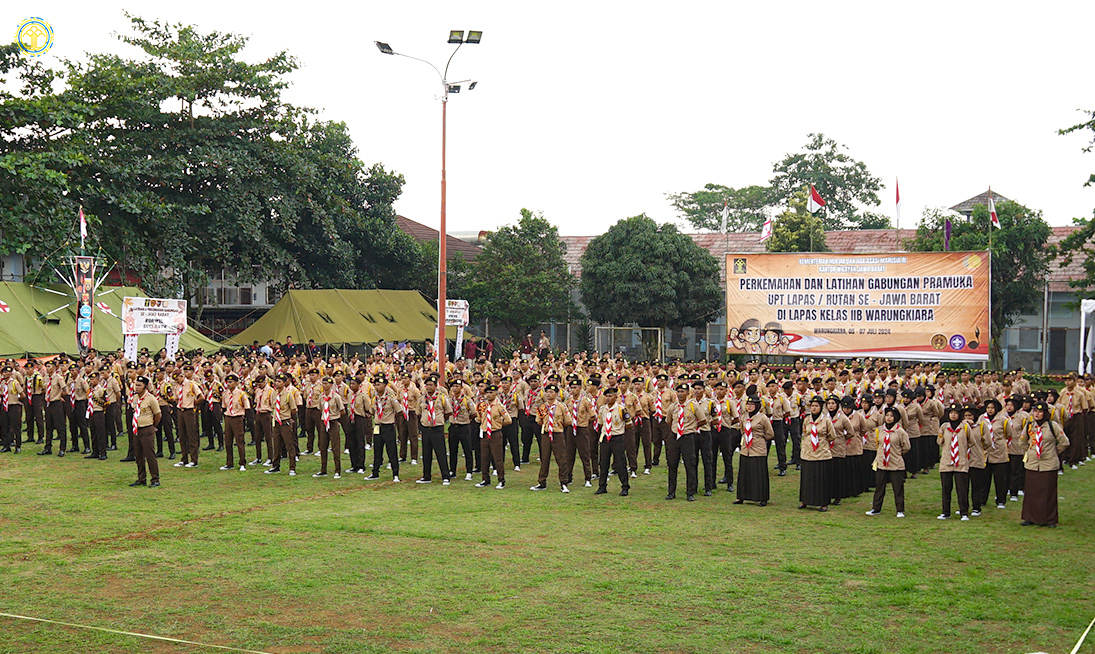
852	428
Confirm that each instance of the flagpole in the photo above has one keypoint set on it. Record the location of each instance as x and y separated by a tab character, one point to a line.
991	226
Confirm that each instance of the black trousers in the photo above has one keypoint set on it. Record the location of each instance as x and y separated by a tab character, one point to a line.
473	440
721	445
530	433
460	439
998	474
510	436
676	449
795	436
98	433
385	441
780	428
36	417
13	426
979	487
1017	474
355	441
433	444
895	478
77	425
959	481
615	450
166	430
707	455
55	423
112	411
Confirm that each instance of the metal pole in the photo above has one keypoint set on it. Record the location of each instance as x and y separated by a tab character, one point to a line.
442	341
1045	328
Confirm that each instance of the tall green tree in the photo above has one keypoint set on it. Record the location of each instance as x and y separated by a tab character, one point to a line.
703	208
796	229
846	185
1020	257
642	272
521	279
1081	243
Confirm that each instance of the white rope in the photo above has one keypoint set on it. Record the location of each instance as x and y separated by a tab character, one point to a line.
1083	637
130	633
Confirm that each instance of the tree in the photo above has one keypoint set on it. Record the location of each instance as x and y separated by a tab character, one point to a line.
520	278
1020	257
843	183
797	230
703	208
650	274
1079	242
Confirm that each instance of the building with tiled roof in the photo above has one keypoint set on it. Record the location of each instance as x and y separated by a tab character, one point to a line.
966	208
423	233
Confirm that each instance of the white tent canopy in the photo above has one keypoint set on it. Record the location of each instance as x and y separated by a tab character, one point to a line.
1087	335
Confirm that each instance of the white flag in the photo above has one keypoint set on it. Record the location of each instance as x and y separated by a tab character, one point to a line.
992	213
83	225
725	215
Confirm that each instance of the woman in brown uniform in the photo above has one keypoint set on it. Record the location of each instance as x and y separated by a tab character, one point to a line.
817	437
1043	440
890	443
756	433
954	462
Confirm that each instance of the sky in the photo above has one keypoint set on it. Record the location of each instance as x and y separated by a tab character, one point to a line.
592	112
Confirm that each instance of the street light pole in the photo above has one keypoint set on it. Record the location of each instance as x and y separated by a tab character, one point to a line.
457	37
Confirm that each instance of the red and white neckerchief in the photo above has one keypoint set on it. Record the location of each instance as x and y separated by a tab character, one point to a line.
488	424
4	394
954	446
1038	440
658	413
136	413
680	422
406	403
886	447
606	431
49	387
327	412
311	393
747	429
1070	396
814	440
988	426
430	409
72	393
718	413
574	413
551	422
528	405
380	402
277	408
231	403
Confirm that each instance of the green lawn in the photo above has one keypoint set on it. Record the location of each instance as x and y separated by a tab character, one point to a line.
285	564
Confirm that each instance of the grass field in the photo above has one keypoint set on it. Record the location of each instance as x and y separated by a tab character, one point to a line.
285	564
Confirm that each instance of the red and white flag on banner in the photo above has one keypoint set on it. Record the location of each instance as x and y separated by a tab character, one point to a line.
766	231
992	213
83	224
814	203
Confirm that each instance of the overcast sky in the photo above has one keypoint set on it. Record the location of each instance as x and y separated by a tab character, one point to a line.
592	111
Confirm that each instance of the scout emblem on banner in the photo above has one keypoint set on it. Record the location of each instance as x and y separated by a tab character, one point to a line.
85	314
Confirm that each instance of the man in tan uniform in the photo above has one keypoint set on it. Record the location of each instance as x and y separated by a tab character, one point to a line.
234	403
286	399
146	416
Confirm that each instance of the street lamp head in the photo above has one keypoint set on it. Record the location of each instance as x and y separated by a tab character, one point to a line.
474	36
454	88
384	48
456	36
472	85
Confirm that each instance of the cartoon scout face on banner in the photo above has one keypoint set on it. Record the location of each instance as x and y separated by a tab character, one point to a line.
915	305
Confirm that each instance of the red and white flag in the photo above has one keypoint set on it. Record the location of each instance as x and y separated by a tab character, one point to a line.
766	231
83	225
897	188
992	213
725	214
814	203
105	308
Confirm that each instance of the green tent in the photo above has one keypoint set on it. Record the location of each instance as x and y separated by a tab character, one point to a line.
42	322
346	317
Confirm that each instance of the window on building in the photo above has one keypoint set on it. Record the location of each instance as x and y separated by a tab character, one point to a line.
245	295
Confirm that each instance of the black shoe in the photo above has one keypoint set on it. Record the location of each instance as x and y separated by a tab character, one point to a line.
128	459
671	496
600	491
762	504
836	503
691	498
739	501
102	457
4	450
112	448
171	456
730	488
798	466
45	452
61	453
707	493
623	493
159	455
92	456
220	448
137	483
74	449
206	449
655	463
154	484
39	441
724	480
87	450
1026	523
782	473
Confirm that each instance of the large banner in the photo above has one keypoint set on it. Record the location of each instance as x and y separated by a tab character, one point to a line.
84	287
146	315
928	306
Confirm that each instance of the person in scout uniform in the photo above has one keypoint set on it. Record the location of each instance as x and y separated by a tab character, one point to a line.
756	434
818	436
235	403
11	403
286	401
954	462
554	417
612	420
331	408
1044	440
55	394
387	405
146	416
460	435
890	445
264	420
493	417
433	408
77	409
687	417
